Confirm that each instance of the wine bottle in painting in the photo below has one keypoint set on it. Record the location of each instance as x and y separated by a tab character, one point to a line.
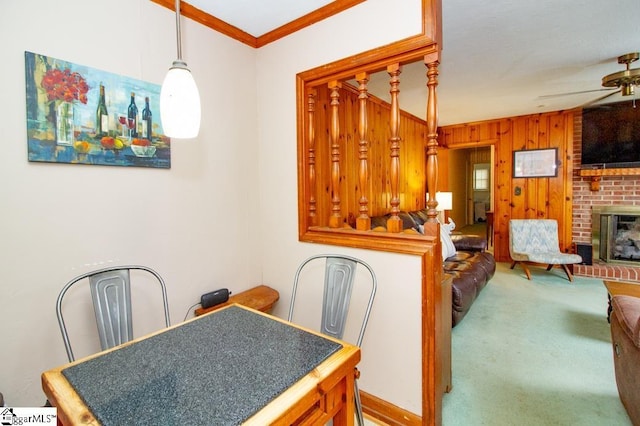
132	117
147	119
102	116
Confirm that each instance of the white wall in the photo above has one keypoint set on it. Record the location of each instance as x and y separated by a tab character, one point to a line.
225	215
194	223
390	365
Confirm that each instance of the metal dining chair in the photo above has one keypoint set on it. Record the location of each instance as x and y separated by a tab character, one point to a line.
339	280
111	296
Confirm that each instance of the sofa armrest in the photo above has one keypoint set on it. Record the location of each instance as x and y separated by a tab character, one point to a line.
469	242
627	311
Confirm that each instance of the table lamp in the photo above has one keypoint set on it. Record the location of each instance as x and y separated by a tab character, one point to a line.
445	203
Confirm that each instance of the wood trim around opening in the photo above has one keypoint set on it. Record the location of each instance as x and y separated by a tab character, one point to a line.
216	24
430	29
426	47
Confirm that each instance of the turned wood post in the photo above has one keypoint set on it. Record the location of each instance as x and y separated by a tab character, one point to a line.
432	135
363	221
335	219
394	224
311	110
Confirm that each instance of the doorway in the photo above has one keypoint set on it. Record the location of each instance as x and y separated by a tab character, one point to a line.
470	177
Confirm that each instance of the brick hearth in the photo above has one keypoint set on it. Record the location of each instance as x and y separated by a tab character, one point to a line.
614	190
607	271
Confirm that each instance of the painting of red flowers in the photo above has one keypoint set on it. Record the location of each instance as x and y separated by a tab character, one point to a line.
81	115
64	85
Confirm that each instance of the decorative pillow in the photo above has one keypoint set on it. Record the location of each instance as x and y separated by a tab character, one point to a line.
407	221
417	217
448	248
449	226
422	214
379	221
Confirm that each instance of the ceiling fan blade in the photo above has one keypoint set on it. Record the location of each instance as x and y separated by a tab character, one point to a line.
596	100
556	95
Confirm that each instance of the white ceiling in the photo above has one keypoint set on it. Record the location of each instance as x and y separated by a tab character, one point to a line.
499	58
258	17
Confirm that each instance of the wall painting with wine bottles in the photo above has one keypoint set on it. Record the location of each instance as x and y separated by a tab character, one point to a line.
81	115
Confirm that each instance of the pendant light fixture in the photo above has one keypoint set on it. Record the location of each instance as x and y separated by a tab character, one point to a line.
179	97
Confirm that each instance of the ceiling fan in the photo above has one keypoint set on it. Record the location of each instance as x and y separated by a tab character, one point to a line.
624	81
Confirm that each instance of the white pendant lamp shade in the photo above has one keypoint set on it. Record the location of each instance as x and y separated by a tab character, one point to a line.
180	103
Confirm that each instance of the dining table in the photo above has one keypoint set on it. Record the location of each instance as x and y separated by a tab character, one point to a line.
232	366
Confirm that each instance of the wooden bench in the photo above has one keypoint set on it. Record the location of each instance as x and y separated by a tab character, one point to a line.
261	298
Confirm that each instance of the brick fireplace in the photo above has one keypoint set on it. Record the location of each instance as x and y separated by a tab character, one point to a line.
616	234
621	190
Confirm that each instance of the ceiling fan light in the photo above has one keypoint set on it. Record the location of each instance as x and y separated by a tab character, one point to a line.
627	89
180	103
627	79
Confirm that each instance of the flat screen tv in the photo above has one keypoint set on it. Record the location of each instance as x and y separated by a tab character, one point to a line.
611	135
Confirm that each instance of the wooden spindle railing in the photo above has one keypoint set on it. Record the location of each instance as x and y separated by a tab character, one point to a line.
368	180
336	218
394	224
363	221
311	111
432	62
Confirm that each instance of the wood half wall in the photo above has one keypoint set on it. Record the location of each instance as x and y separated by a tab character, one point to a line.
421	47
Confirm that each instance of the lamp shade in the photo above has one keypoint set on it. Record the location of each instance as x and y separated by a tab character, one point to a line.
180	103
445	201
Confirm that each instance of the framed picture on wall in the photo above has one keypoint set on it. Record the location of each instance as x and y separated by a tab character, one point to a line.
532	163
82	115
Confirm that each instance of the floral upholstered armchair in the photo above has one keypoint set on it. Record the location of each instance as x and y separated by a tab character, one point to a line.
536	241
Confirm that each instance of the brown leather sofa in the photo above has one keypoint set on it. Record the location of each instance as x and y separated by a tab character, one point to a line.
625	336
471	267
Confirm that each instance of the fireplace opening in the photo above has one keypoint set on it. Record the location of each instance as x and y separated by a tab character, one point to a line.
616	234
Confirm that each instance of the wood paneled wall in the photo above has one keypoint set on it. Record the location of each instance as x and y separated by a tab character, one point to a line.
412	132
523	198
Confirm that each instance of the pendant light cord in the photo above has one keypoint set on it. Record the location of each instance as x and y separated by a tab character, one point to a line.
178	35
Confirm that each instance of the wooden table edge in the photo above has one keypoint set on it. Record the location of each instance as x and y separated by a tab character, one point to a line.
340	365
55	385
615	288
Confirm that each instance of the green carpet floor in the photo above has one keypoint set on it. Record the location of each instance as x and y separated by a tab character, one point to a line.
475	229
534	353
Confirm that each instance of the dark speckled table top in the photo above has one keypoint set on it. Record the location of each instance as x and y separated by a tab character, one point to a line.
217	370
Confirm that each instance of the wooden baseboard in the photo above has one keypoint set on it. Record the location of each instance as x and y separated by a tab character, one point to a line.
386	412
